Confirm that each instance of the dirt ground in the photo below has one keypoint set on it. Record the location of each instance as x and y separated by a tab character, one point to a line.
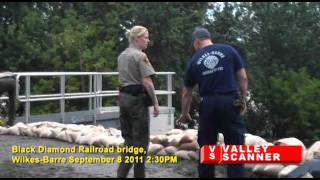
182	169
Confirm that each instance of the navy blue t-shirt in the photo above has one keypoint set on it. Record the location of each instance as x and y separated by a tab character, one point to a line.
214	68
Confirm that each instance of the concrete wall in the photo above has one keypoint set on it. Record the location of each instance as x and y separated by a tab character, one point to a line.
108	117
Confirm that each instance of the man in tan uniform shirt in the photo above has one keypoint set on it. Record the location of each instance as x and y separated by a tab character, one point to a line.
135	72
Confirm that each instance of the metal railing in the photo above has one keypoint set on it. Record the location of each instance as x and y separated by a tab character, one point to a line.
95	90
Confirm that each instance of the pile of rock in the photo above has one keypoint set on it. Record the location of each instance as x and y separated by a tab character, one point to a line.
182	143
177	142
80	134
281	170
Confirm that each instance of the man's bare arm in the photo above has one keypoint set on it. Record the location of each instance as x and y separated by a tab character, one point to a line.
186	100
243	82
185	105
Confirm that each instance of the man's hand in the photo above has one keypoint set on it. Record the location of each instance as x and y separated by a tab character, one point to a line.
156	110
183	118
240	104
244	109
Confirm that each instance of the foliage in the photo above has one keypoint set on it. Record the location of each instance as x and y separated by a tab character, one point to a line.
275	39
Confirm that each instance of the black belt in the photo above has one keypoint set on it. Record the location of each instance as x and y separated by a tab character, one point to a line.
232	93
133	89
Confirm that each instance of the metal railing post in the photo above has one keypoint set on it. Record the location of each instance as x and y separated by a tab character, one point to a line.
62	101
95	94
99	91
27	83
95	100
169	96
90	91
17	86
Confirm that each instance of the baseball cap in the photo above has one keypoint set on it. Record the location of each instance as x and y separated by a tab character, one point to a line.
200	32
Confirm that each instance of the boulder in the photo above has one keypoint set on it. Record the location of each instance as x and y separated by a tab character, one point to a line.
63	136
312	151
174	132
187	138
259	168
159	139
173	140
286	170
289	141
14	130
249	166
193	133
273	169
154	148
162	153
171	150
3	130
193	155
45	132
182	154
254	140
220	139
191	146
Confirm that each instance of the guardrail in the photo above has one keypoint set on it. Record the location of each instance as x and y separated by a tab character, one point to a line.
95	90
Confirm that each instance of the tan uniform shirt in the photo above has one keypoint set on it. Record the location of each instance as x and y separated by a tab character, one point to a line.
133	66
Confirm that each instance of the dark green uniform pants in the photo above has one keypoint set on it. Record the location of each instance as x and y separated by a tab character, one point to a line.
135	123
8	84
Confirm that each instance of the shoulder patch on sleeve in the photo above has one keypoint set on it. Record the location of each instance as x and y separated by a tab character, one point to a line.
146	60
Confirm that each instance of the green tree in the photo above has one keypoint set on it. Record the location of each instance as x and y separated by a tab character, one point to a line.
275	39
297	104
281	37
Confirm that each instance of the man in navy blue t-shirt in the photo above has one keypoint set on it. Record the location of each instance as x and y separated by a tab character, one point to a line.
220	74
